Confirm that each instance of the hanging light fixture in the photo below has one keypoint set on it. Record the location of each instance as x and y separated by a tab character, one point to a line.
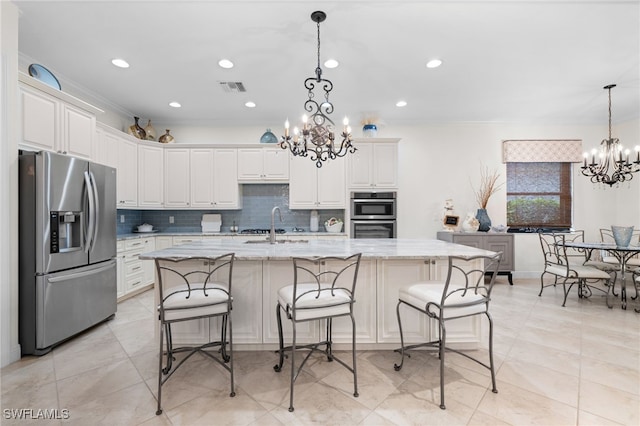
318	130
610	156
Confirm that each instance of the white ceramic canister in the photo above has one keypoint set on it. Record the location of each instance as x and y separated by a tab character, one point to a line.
313	222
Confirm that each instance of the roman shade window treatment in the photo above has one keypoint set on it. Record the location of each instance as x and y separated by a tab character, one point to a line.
542	151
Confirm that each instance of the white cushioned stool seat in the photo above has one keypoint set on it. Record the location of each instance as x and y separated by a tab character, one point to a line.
182	303
422	293
313	304
582	271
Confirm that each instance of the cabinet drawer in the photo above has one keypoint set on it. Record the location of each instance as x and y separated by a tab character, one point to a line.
185	240
132	268
134	281
133	244
132	255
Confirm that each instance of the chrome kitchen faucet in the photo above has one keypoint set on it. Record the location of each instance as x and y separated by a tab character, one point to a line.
272	231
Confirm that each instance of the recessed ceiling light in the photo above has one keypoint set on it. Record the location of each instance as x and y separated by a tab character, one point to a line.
434	63
225	63
250	104
120	63
401	103
174	104
331	63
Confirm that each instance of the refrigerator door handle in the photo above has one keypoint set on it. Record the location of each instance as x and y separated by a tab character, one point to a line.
96	210
91	213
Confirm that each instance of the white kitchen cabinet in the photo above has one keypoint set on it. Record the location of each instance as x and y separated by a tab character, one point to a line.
120	279
78	132
177	176
127	175
374	165
150	176
364	310
259	165
149	266
163	242
247	297
311	187
214	178
48	123
277	274
201	177
106	148
135	275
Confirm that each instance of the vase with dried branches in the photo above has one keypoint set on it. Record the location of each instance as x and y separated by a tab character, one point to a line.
488	186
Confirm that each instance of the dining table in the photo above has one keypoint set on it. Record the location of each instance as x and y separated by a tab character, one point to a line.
621	253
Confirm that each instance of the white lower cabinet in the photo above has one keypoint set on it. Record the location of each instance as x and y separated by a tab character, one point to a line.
364	309
134	275
278	274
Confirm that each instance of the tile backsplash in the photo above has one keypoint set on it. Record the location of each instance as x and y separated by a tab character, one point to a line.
257	202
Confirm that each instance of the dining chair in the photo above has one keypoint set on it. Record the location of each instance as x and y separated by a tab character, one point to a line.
465	292
197	288
568	264
323	289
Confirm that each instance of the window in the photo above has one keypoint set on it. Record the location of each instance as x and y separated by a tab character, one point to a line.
539	194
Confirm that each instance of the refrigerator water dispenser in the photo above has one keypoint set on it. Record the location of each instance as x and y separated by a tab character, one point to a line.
66	231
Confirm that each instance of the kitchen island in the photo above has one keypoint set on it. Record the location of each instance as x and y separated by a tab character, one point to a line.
261	269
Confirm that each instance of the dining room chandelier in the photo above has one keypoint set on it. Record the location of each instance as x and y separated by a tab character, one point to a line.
317	138
611	163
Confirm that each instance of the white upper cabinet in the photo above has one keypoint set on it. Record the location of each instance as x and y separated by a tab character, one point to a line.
127	173
214	182
311	187
150	176
78	132
177	177
374	165
259	165
226	190
106	148
50	123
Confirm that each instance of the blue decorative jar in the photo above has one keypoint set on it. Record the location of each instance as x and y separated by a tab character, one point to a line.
268	137
483	218
369	130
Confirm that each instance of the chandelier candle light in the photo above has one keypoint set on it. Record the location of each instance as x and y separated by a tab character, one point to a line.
610	154
318	130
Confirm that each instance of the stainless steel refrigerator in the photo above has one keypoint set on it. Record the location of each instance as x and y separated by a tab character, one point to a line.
67	248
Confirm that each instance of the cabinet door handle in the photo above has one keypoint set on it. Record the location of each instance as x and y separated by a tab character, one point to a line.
136	268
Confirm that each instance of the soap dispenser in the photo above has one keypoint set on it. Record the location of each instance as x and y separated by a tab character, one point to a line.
313	223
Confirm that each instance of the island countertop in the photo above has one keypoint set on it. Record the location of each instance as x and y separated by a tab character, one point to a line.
370	249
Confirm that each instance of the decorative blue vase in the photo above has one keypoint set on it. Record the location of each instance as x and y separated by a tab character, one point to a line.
369	130
268	137
622	235
483	218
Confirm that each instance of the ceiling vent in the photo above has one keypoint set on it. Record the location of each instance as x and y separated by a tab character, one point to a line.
232	86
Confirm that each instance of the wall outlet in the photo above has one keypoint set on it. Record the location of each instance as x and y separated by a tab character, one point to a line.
170	219
121	218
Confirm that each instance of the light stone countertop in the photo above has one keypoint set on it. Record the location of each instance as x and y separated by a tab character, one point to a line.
370	249
137	235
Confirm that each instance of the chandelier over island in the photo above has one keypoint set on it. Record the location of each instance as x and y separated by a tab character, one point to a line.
613	164
318	136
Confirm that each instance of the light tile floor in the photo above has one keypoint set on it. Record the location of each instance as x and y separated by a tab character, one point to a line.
555	366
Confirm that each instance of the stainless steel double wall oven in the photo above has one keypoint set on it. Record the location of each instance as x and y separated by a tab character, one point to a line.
373	215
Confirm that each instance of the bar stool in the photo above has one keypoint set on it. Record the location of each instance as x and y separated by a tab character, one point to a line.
190	289
323	288
465	292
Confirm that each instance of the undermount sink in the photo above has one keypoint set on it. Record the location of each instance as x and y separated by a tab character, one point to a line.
277	241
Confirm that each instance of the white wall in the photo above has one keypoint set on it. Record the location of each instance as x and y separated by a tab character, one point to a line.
10	350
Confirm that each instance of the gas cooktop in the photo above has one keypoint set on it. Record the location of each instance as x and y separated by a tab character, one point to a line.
261	231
